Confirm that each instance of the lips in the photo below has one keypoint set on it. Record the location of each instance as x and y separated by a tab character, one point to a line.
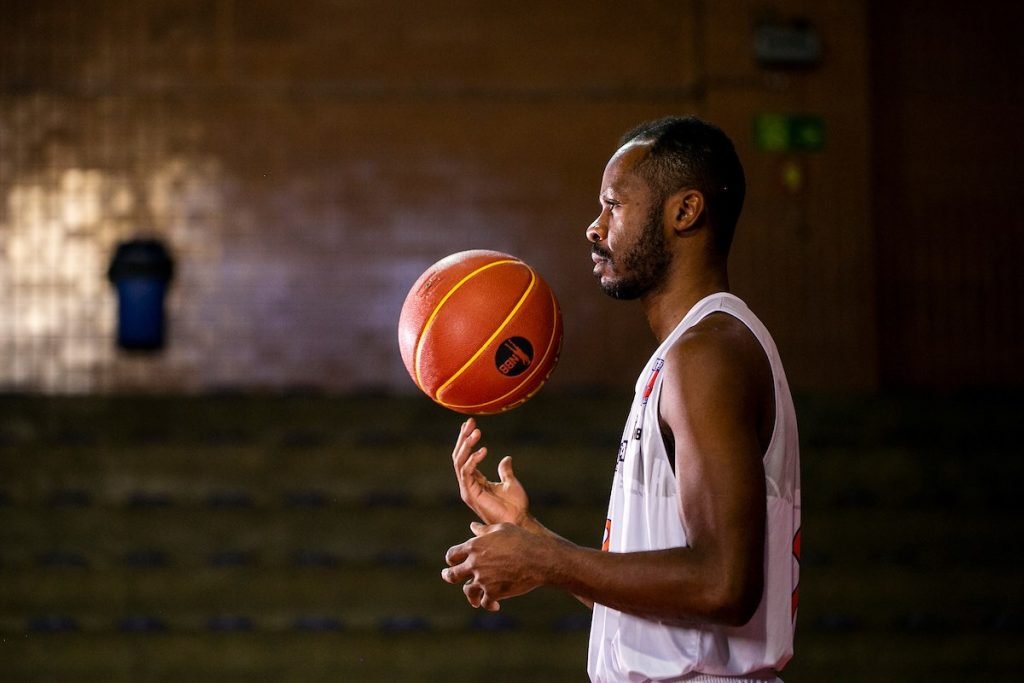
599	255
602	260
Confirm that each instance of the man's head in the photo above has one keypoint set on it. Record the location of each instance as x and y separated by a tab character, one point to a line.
671	176
688	153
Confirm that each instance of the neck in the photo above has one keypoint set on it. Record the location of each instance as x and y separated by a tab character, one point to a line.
667	306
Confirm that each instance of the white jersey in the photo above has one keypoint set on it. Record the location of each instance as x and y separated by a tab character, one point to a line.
644	514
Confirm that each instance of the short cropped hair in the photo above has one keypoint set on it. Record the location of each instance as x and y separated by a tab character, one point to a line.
689	153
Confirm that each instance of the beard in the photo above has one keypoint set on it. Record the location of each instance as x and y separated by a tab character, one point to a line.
644	264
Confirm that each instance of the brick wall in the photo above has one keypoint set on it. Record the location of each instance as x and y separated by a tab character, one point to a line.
306	161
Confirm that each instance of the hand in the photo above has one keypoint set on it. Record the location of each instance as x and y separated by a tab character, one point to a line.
504	501
494	565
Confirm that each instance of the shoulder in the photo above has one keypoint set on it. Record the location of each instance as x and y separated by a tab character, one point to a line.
718	344
717	366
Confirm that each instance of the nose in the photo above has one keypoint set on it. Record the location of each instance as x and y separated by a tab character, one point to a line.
595	232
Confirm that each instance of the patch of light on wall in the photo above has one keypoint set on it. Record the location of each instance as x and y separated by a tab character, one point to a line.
57	319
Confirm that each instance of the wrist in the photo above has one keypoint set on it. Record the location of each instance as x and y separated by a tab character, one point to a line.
554	558
530	523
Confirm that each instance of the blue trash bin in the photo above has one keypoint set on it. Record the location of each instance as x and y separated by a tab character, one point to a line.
141	271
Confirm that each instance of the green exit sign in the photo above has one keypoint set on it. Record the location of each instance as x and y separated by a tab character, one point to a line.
789	133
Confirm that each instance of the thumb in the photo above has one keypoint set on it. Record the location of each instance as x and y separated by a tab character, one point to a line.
479	529
505	473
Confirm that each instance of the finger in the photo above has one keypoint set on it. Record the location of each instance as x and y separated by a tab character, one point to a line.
505	472
469	466
489	604
456	554
455	575
474	593
465	429
464	446
469	429
469	477
478	529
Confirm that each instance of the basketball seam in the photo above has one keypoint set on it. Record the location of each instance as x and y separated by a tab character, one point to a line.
436	311
539	364
494	335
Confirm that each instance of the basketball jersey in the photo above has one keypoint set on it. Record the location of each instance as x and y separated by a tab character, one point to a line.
644	514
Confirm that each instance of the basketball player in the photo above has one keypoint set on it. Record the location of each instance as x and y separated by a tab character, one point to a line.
697	577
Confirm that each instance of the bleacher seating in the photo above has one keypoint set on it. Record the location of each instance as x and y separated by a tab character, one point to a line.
301	538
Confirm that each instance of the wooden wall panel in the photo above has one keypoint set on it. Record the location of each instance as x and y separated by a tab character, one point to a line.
803	258
307	160
947	107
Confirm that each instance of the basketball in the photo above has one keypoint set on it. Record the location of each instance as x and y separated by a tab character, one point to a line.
480	332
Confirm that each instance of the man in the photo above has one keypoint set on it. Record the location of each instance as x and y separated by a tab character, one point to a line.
697	576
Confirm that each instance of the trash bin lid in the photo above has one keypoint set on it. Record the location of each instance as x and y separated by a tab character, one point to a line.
141	257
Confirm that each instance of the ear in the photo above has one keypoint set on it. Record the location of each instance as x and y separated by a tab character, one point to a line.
683	211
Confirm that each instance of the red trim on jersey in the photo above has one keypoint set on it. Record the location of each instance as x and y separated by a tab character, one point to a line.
654	376
796	556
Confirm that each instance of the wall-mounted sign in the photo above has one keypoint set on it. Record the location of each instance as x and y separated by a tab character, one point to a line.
789	132
790	44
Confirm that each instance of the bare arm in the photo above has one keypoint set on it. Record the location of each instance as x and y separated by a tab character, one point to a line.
712	399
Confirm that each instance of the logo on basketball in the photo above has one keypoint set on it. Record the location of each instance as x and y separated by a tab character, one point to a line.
513	357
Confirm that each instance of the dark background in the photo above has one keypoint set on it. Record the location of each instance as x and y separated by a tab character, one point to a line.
244	503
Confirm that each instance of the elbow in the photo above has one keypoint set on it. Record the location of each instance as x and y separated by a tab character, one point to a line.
737	601
735	614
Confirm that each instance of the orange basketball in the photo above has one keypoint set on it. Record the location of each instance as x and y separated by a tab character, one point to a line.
480	332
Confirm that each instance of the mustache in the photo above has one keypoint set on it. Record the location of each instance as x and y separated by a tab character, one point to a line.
599	251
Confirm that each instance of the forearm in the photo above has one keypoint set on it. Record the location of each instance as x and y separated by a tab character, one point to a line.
668	584
675	584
